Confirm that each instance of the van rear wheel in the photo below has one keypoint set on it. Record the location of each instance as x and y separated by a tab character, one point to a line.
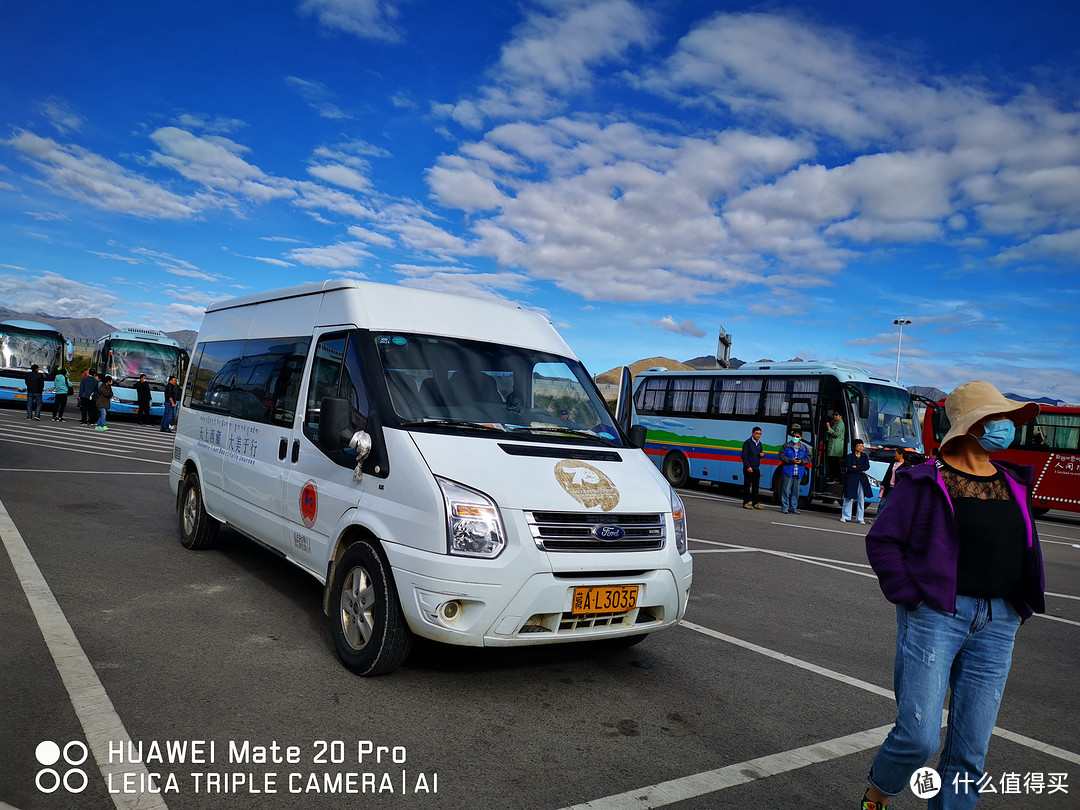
369	630
197	529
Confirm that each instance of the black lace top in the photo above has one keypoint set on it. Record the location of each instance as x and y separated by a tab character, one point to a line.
992	533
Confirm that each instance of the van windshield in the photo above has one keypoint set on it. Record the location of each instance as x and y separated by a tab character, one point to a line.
487	389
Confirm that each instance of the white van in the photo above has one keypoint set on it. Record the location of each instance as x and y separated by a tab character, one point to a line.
443	465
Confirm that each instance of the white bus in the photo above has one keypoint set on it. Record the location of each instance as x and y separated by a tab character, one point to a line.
127	353
697	420
444	466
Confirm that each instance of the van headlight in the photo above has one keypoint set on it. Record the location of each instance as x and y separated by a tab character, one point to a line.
678	514
474	528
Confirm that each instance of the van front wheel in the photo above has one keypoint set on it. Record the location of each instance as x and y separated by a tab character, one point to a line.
197	529
366	622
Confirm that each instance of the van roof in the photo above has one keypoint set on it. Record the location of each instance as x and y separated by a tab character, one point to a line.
388	307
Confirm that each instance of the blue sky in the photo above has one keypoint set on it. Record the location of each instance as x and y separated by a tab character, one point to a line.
642	173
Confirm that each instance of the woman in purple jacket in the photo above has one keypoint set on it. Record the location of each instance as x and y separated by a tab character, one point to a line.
958	554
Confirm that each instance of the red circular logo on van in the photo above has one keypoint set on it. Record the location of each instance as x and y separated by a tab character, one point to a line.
309	504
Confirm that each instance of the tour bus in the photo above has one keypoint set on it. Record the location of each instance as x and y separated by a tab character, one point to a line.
1050	443
697	421
26	343
444	466
127	353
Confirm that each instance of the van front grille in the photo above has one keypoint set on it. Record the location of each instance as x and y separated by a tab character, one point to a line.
590	531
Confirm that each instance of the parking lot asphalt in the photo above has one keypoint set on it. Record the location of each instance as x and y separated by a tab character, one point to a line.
118	644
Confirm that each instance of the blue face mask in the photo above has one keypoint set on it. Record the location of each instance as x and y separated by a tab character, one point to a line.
997	435
793	439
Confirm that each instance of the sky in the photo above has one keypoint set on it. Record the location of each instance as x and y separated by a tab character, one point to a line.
645	174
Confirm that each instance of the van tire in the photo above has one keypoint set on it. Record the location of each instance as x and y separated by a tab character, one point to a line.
677	470
369	630
197	529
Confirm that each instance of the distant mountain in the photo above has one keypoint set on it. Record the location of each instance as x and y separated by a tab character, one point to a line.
86	330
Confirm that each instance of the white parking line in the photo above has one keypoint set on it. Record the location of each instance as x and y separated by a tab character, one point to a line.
699	784
97	716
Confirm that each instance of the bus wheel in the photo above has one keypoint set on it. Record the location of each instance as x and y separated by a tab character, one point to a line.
197	529
366	622
677	470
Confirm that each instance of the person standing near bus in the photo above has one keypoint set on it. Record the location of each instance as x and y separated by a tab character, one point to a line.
103	400
142	396
35	392
856	484
61	389
172	395
958	553
834	447
752	454
87	388
793	457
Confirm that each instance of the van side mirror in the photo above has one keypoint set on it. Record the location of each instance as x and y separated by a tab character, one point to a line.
637	435
335	424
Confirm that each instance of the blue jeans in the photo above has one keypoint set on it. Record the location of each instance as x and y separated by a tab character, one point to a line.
33	406
971	652
861	501
101	416
789	493
166	420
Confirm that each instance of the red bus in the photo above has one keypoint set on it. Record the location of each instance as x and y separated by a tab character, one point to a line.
1050	444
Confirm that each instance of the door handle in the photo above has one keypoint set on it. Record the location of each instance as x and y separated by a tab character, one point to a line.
295	450
282	449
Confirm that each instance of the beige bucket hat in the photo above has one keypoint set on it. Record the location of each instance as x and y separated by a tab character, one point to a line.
972	402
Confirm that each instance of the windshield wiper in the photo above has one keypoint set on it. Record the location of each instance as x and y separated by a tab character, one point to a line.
555	429
452	423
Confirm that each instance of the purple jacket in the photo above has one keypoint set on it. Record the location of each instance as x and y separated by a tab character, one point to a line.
914	547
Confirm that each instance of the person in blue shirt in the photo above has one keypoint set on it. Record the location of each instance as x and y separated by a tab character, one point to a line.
794	455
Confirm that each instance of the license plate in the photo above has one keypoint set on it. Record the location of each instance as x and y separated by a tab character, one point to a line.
20	396
604	599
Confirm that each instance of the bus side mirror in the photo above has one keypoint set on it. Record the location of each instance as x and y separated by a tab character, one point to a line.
335	424
637	435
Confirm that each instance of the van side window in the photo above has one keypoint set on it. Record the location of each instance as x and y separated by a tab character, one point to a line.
210	382
337	371
255	380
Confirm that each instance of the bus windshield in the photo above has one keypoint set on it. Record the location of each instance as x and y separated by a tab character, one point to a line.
892	421
20	351
442	383
130	358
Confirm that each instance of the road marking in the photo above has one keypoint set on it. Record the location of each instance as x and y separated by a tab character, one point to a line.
91	452
95	711
699	784
78	472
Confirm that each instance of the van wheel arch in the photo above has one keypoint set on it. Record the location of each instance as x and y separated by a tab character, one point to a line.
366	622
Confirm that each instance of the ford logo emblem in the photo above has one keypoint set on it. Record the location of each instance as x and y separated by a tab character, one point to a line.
608	532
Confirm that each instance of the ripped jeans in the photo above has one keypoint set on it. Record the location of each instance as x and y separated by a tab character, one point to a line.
971	652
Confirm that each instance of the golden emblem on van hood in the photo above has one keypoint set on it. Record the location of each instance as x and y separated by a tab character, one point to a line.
586	484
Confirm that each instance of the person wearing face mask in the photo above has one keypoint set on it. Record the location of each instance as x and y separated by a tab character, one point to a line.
793	457
958	553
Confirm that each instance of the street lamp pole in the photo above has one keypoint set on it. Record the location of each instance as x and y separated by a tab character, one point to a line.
901	322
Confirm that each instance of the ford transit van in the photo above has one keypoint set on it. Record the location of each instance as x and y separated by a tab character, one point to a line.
444	466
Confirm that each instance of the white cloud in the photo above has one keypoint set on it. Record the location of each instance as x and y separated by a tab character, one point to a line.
683	327
367	19
88	178
553	54
338	256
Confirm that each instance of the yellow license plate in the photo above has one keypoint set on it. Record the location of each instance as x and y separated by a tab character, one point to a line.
20	396
604	599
